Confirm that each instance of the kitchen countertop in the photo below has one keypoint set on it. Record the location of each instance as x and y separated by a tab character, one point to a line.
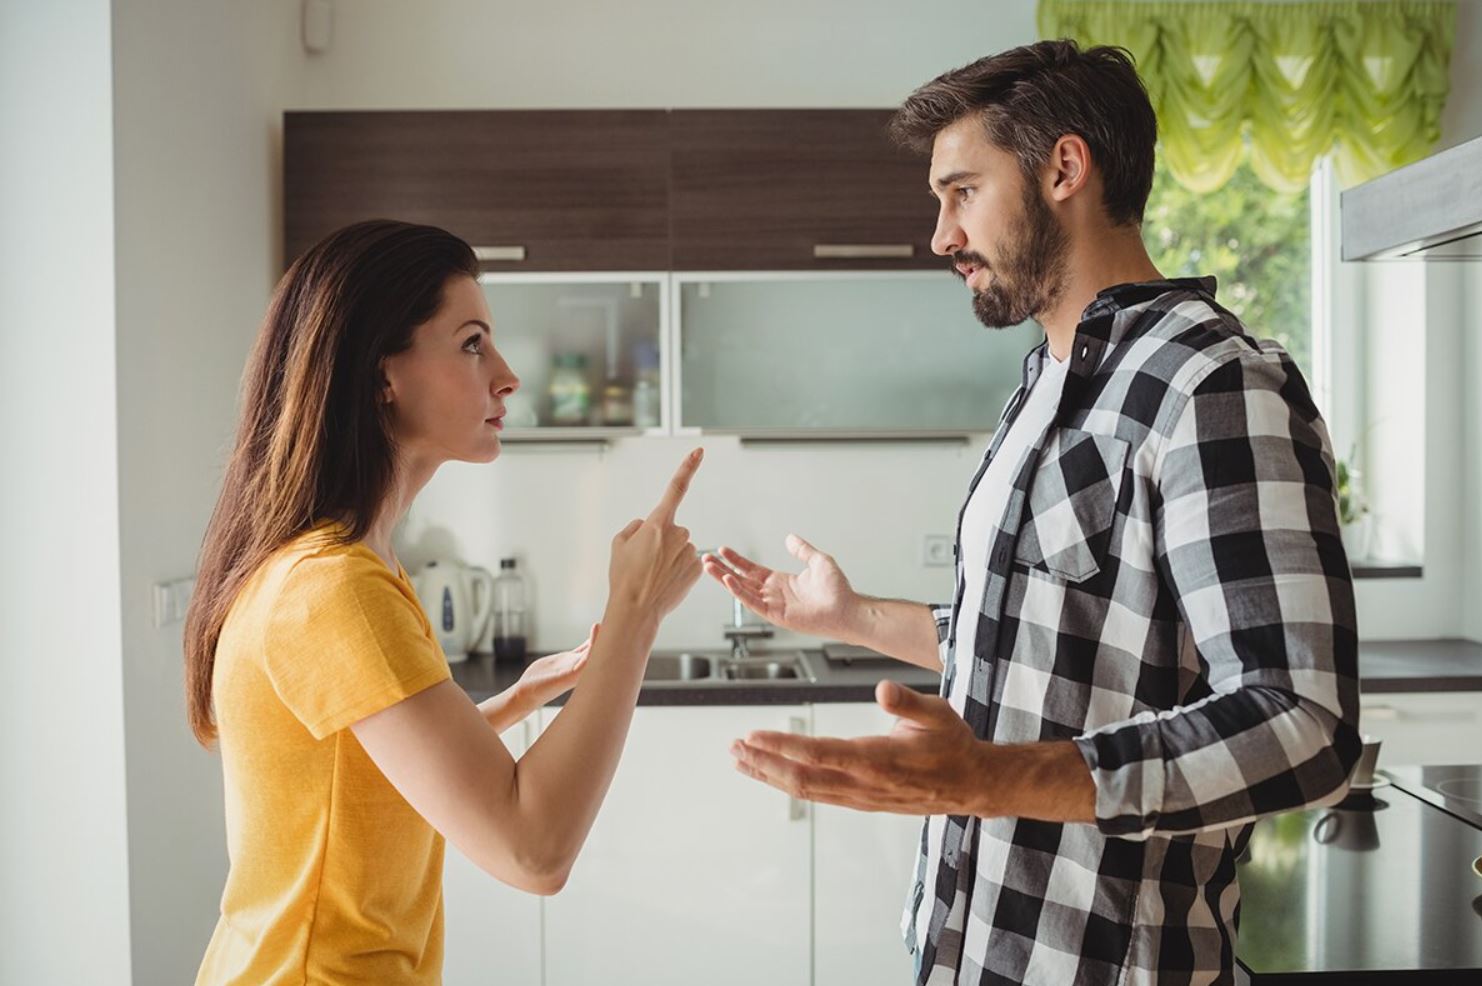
1446	665
481	677
1384	666
1375	890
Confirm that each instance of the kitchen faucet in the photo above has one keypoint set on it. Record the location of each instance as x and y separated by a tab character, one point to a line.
739	631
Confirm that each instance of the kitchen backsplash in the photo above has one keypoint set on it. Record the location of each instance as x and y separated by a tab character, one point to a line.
869	505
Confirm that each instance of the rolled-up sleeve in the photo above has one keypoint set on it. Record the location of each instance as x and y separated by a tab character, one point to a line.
941	615
1248	544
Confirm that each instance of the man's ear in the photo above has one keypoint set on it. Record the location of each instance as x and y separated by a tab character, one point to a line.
1069	167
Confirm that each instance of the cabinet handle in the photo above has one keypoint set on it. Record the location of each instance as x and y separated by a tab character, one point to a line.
1386	713
862	251
797	809
483	253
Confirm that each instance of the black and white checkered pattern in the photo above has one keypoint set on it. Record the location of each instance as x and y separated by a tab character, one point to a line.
1169	590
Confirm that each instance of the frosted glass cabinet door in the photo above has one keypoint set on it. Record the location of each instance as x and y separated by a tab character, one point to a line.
491	931
693	874
879	353
585	347
862	864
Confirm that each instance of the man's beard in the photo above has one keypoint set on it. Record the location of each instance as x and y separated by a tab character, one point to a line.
1030	275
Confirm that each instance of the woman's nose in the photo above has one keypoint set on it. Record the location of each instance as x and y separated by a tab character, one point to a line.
505	380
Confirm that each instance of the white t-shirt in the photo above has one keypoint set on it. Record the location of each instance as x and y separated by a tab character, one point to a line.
986	507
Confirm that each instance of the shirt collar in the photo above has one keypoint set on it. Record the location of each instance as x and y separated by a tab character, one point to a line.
1098	320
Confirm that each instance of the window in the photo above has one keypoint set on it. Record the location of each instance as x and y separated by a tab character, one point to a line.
1256	241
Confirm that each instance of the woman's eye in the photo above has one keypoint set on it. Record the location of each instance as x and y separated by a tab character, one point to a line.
475	344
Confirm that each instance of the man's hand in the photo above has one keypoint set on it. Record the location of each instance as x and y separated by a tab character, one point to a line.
818	600
929	764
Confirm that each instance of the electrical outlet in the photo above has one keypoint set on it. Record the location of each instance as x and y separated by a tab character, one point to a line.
936	551
171	599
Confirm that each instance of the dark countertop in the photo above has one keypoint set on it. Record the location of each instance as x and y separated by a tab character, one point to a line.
1376	890
482	677
1447	665
1384	666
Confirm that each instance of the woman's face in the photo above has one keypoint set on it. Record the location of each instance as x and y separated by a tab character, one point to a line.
447	390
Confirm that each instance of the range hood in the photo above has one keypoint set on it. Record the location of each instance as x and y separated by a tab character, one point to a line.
1429	210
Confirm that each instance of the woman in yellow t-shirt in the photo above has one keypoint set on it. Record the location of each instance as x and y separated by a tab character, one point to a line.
347	750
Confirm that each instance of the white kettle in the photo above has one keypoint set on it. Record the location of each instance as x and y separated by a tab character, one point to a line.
458	600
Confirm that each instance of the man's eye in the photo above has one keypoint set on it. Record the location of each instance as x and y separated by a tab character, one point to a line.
965	192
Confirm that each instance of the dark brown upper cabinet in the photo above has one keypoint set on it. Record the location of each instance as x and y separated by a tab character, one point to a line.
568	190
796	190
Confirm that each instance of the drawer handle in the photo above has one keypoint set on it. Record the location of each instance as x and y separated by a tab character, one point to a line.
862	251
797	809
486	253
1387	713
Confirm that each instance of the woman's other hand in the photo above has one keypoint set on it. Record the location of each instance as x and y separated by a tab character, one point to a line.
549	677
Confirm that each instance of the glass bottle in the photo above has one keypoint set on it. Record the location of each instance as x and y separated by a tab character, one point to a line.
571	397
509	613
647	403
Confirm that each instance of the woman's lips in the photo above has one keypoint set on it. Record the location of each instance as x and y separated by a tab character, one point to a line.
498	422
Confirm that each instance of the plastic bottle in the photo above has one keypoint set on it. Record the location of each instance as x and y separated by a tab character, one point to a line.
510	619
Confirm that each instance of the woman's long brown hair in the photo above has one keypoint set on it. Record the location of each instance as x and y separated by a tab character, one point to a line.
313	439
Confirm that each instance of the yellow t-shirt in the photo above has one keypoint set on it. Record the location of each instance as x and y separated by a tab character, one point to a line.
334	878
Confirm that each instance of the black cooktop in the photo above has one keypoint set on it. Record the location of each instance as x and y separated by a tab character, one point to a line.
1376	890
1457	790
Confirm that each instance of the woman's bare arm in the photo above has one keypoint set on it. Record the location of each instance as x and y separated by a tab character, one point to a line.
525	822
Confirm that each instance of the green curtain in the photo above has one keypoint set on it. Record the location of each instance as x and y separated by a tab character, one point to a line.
1365	81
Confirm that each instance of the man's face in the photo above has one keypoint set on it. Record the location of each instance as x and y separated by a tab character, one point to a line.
1003	239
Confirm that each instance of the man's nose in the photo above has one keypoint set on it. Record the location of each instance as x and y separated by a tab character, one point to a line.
948	238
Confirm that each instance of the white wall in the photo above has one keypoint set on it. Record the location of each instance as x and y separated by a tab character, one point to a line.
448	54
63	848
198	92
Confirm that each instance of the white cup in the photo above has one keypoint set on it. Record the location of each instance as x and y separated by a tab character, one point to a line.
1363	771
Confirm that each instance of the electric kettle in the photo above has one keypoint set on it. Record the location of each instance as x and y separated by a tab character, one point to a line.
458	600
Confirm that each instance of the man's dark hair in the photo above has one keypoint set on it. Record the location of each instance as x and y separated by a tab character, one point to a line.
1029	97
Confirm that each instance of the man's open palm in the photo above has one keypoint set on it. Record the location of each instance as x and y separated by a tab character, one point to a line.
818	600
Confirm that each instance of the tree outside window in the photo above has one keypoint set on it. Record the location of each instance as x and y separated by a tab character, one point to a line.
1256	241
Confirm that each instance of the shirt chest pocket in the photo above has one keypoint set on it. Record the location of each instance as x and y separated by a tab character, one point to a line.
1073	504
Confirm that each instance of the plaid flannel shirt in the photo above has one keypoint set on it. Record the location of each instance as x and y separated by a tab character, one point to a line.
1167	589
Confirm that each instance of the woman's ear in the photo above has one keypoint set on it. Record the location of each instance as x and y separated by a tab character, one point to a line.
385	393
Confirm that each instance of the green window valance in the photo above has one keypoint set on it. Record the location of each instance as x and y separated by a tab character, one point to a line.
1364	80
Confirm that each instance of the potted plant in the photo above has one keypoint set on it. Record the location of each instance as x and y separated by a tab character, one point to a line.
1353	511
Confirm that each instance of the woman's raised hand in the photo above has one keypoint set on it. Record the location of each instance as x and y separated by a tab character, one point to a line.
654	565
818	600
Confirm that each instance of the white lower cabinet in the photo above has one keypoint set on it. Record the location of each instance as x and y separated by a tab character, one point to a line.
1424	727
491	930
693	873
863	863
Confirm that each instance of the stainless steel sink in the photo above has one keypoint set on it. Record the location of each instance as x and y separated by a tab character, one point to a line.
678	668
719	669
761	669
